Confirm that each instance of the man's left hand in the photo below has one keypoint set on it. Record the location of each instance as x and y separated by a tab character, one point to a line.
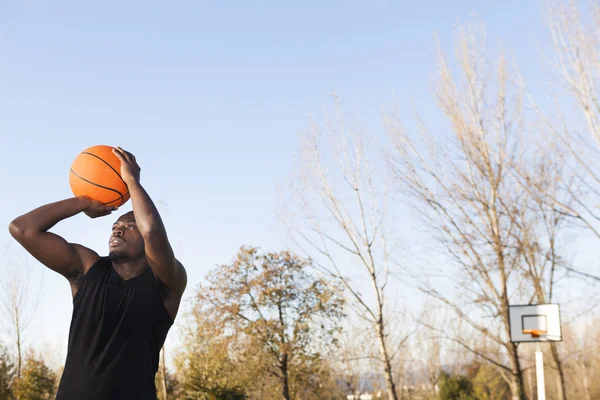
130	170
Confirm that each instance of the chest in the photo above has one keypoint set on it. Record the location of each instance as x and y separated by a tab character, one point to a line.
111	302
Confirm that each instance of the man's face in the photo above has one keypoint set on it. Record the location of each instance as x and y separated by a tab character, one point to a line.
125	242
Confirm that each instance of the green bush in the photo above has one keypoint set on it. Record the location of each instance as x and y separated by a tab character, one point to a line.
455	387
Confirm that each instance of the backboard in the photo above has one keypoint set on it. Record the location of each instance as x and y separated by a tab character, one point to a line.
535	323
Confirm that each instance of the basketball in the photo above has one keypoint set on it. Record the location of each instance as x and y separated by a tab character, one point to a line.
96	173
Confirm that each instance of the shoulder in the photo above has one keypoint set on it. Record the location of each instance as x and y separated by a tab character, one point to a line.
87	256
88	259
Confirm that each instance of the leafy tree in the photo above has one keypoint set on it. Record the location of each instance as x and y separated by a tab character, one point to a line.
171	382
37	380
57	377
7	373
272	301
455	387
488	384
206	365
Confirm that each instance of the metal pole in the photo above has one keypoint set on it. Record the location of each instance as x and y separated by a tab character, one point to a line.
539	369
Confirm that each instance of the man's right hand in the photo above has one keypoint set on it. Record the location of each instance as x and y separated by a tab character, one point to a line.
95	209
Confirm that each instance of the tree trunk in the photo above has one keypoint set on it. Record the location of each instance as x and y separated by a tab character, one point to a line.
530	386
389	379
586	382
19	353
517	387
560	377
285	373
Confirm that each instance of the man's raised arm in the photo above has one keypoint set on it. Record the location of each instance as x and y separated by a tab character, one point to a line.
31	231
158	249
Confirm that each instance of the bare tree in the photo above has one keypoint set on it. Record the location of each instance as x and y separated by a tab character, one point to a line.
467	188
538	227
335	214
583	358
575	140
575	58
429	347
352	356
19	305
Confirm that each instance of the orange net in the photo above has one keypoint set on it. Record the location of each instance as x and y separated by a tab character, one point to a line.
534	332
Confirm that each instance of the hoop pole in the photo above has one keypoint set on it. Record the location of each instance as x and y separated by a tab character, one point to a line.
539	369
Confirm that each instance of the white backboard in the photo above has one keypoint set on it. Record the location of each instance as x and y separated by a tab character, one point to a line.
544	317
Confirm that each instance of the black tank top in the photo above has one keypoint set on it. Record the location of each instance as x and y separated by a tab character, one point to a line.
117	330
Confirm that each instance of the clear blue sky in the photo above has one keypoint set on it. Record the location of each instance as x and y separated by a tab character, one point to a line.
210	97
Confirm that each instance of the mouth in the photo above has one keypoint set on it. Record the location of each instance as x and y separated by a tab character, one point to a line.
115	241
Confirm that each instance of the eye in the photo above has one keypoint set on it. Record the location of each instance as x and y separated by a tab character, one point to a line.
130	226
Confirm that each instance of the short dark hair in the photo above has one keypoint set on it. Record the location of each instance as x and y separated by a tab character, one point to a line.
127	214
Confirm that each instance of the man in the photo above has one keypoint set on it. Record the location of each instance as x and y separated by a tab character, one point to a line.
123	304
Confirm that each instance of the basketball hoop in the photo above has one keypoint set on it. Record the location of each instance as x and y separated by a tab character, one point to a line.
535	323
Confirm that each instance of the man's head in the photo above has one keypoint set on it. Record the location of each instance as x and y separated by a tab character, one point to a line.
126	241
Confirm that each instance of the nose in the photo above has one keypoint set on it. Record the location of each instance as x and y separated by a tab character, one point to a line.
117	232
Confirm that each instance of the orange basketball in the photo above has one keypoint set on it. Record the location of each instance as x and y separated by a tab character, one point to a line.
96	173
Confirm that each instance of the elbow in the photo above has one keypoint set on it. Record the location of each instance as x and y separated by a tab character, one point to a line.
14	229
17	230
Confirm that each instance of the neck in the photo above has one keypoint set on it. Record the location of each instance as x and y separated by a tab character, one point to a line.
129	268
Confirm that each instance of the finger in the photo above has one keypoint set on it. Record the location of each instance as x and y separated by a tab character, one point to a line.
119	155
127	154
125	157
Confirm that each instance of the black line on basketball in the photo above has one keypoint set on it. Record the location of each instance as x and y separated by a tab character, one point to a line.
95	184
109	166
121	198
